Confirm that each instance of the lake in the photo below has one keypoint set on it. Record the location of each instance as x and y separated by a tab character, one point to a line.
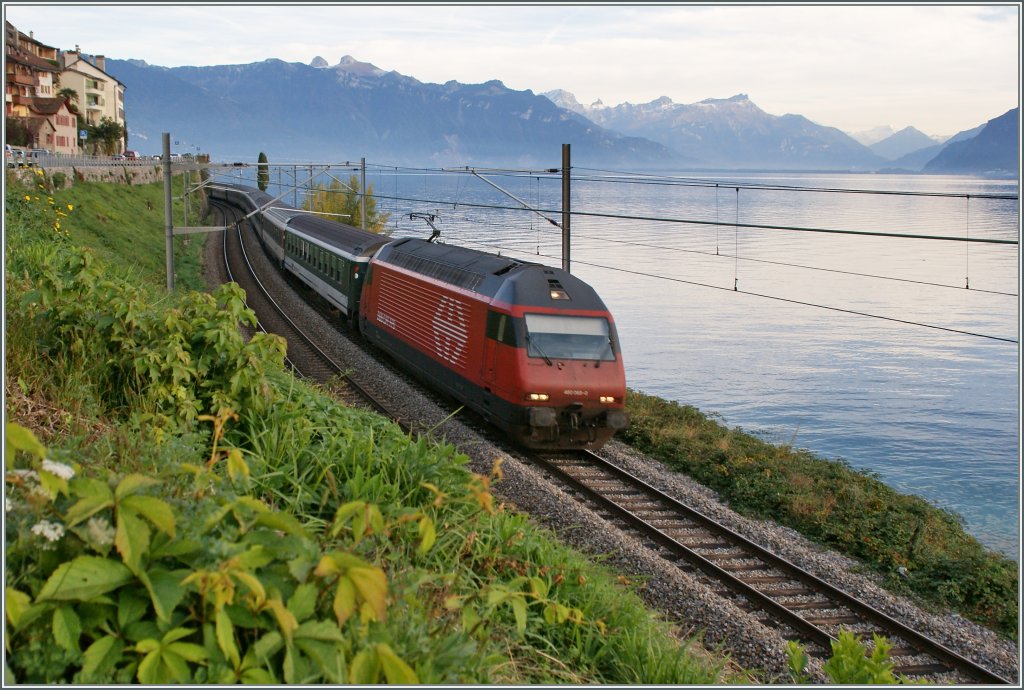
898	355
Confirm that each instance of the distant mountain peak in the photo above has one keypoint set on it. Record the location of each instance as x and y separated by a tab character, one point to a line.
901	143
318	62
363	69
740	99
564	99
874	135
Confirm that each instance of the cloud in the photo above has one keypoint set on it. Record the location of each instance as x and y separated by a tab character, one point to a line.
941	68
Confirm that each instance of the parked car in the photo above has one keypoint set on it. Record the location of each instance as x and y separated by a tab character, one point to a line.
132	155
16	157
117	157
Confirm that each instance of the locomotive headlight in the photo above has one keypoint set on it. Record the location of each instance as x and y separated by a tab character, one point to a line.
607	398
538	397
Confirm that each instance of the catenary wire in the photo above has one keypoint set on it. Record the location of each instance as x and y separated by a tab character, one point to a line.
764	296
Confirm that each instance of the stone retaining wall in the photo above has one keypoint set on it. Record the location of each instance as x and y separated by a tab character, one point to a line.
117	174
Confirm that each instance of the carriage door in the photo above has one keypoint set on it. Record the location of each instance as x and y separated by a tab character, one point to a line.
496	326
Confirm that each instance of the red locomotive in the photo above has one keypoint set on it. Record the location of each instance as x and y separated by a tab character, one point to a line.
531	348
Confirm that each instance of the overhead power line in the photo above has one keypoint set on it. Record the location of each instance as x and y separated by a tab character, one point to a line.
688	221
770	297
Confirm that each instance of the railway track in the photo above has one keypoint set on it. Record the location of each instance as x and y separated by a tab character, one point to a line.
303	356
799	605
783	596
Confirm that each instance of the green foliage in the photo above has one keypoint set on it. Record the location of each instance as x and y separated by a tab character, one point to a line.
262	173
106	136
833	504
59	179
180	361
342	203
850	663
16	131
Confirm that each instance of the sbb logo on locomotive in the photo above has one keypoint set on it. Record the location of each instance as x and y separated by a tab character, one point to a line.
450	331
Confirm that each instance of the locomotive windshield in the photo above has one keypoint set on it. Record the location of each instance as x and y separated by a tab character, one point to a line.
568	337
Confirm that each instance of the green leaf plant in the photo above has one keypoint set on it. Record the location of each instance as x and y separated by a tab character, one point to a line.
142	583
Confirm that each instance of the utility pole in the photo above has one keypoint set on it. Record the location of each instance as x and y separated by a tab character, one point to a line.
362	185
168	220
565	208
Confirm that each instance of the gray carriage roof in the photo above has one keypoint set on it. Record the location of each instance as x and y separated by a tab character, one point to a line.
499	277
347	238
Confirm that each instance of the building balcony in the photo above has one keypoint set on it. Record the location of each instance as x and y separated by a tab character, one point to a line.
23	79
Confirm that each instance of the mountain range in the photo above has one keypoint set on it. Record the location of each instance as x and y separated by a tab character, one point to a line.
327	113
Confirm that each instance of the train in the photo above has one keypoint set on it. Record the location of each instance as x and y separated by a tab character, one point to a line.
530	348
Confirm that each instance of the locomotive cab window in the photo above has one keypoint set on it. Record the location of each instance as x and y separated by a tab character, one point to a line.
553	336
501	327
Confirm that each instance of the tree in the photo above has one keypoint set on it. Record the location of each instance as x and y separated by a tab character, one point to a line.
106	136
70	97
341	202
263	173
16	133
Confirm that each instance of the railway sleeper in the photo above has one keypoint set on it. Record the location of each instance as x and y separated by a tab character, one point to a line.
730	555
766	579
922	669
809	605
798	591
708	545
834	620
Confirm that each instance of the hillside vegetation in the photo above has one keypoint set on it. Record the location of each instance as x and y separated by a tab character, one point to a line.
181	509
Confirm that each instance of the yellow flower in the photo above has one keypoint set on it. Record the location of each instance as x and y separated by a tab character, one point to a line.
39	172
28	198
71	207
50	200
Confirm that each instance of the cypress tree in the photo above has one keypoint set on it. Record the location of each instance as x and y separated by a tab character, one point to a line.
262	173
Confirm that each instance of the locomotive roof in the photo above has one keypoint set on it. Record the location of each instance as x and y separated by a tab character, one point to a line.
347	238
499	277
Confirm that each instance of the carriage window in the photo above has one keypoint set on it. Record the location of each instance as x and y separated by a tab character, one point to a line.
568	337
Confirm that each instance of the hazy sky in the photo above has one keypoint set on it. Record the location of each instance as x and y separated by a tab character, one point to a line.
940	68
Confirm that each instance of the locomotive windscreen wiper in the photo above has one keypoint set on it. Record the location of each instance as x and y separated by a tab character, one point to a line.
533	343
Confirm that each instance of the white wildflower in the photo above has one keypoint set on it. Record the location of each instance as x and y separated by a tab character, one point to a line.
52	531
24	475
101	531
59	469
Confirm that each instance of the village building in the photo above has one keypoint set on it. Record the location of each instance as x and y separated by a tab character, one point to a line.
52	94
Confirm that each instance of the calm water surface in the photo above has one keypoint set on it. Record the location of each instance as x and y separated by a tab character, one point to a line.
746	322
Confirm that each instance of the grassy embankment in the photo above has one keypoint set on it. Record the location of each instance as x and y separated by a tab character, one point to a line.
181	509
